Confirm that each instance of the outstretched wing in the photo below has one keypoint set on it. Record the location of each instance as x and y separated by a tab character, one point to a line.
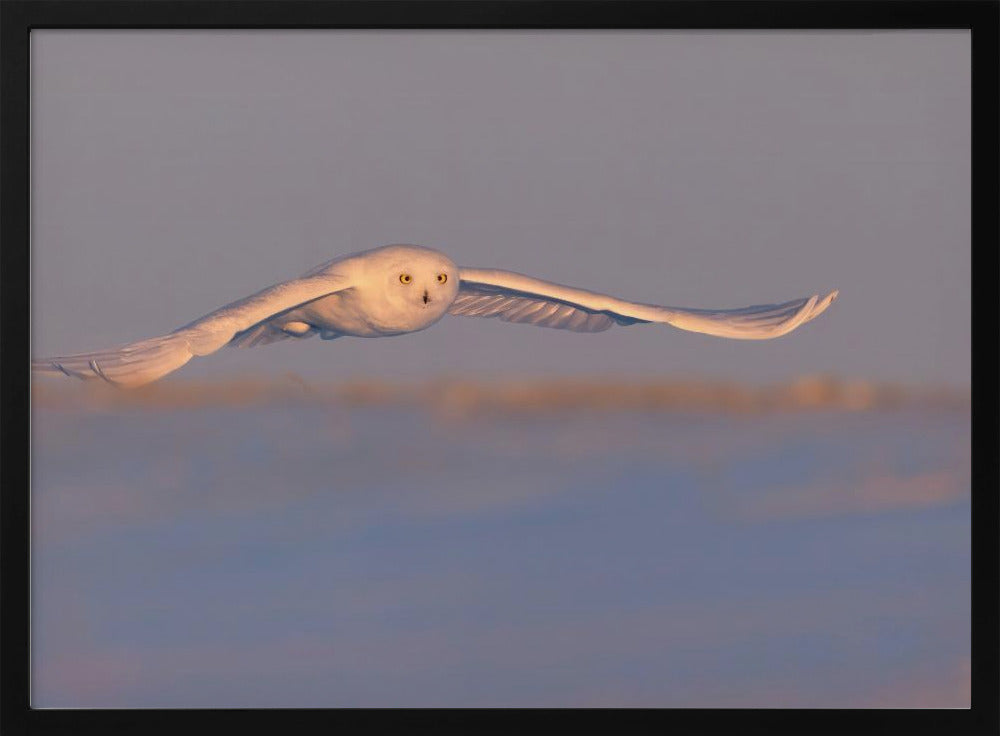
513	297
146	360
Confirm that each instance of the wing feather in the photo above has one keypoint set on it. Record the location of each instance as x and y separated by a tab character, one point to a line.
475	300
514	297
146	360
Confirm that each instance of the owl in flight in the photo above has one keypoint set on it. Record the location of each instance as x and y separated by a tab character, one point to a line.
397	289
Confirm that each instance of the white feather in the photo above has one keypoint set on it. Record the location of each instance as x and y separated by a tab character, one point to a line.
144	361
514	297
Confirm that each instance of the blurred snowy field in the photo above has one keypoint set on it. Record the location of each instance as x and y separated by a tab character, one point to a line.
296	555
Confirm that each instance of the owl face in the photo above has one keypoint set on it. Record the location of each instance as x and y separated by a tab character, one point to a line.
417	285
424	283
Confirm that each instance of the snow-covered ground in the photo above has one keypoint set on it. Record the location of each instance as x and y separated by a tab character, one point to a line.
293	555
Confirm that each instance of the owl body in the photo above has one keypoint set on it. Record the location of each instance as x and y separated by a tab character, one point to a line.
396	289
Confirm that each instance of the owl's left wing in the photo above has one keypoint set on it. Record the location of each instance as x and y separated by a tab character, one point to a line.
514	297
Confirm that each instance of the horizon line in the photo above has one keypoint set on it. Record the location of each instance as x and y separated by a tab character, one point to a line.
513	394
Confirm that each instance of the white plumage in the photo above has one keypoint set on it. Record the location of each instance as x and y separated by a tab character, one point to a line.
397	289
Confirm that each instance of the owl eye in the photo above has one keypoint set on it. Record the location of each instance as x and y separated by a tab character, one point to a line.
442	277
405	278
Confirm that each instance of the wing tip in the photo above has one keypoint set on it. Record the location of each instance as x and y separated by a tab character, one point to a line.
54	366
826	301
125	367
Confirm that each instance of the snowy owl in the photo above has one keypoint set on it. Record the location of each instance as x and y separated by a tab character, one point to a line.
397	289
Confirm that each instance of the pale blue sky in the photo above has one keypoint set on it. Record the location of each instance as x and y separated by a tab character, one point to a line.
174	171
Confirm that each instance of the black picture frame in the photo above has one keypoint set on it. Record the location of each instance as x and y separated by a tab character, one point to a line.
19	17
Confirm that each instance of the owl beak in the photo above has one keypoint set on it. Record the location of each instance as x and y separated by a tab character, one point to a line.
426	297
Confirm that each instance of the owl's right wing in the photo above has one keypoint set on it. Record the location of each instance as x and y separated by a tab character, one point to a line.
144	361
